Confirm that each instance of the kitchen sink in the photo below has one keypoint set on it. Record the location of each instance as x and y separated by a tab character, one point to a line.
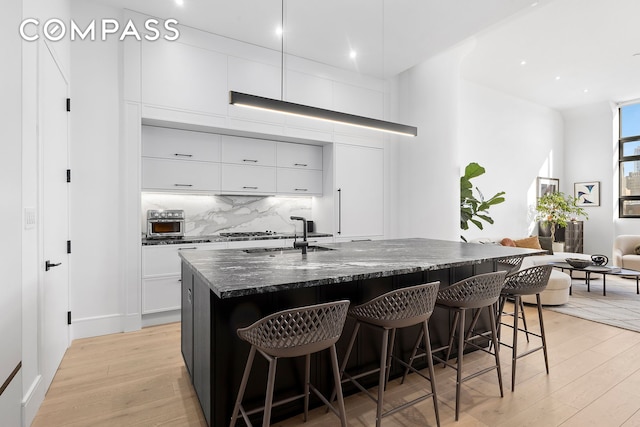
287	249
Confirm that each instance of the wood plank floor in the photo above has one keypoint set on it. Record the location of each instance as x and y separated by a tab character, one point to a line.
138	379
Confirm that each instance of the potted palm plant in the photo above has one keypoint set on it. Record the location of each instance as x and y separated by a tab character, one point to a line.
558	209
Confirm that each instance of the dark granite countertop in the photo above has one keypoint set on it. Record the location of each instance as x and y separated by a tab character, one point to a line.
234	273
186	240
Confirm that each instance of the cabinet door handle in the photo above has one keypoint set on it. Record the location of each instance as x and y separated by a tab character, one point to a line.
250	160
301	189
339	210
182	249
304	165
250	188
183	185
183	155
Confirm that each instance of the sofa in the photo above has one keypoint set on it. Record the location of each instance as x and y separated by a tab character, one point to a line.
626	251
557	291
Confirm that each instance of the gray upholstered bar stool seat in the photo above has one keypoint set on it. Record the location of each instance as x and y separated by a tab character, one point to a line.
530	281
391	311
474	293
292	333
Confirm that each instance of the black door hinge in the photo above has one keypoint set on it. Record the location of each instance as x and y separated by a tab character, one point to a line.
68	175
68	104
68	317
68	246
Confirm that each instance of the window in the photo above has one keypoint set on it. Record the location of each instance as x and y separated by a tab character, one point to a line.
629	161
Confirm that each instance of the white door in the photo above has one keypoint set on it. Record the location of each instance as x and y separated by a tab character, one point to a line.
54	197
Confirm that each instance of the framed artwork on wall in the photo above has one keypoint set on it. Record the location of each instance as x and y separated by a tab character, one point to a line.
587	193
547	185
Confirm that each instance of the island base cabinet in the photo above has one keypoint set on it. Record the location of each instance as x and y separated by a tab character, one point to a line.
219	355
186	319
203	348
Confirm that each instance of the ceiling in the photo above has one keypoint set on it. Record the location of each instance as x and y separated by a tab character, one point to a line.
587	43
577	52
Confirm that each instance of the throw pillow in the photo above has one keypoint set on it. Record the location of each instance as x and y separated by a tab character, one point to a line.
507	242
637	250
529	243
546	244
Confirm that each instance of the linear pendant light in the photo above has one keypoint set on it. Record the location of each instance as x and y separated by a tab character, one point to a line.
293	109
284	107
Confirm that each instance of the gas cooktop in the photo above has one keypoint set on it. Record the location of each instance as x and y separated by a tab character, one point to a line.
248	234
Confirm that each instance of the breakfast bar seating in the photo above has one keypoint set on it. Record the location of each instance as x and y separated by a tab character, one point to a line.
224	290
293	333
387	313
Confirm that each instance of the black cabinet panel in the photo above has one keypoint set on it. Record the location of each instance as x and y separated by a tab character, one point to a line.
186	319
219	356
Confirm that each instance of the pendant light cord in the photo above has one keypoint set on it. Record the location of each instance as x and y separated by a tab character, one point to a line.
282	51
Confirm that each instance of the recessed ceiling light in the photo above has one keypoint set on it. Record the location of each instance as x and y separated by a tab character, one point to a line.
534	4
353	54
557	77
180	2
586	90
523	62
279	31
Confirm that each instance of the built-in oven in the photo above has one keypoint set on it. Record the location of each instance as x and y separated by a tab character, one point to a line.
167	223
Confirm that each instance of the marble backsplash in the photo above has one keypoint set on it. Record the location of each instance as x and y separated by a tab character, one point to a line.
208	215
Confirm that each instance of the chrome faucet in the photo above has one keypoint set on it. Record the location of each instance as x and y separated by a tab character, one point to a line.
304	244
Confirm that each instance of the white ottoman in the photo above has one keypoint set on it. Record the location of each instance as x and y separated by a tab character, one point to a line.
557	291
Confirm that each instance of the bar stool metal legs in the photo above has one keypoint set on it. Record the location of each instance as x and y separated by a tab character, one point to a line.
525	282
292	333
396	309
474	293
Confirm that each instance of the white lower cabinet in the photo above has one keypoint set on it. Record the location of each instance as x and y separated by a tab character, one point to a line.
161	276
160	294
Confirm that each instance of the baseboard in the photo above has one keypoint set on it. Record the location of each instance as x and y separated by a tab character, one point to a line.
32	400
153	319
96	326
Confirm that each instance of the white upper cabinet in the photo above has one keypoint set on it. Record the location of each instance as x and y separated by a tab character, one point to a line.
180	175
180	76
180	144
239	179
299	182
248	151
299	156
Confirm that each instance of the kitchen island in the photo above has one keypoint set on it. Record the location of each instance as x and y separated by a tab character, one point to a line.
227	289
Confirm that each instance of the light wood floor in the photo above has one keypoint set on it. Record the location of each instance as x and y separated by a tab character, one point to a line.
138	379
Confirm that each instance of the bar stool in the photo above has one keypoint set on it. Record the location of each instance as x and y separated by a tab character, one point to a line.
292	333
509	264
525	282
391	311
476	292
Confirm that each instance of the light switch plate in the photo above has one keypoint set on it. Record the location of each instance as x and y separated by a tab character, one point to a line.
29	218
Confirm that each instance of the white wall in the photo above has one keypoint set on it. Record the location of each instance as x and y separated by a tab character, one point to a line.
96	292
515	141
11	212
591	155
424	170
